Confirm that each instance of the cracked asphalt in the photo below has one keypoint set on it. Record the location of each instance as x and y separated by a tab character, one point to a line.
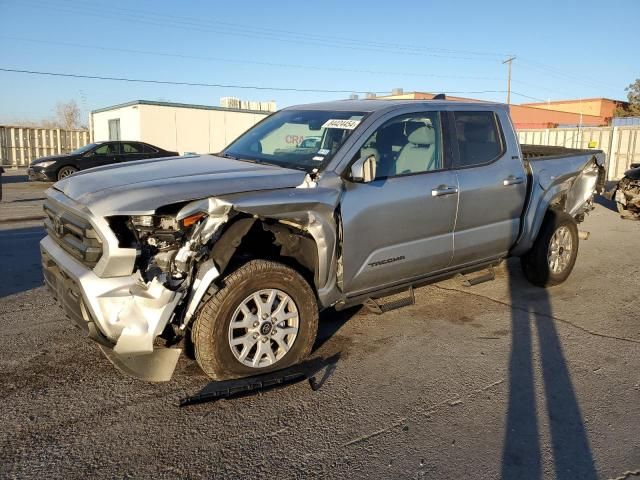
500	380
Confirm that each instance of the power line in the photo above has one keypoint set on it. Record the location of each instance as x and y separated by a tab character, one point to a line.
265	30
277	35
221	85
188	84
249	62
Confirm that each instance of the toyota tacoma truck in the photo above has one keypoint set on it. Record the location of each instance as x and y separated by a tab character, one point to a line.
232	256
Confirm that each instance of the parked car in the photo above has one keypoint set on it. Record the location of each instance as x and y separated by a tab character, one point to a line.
626	193
235	254
97	154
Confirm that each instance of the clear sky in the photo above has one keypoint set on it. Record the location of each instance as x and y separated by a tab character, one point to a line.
565	49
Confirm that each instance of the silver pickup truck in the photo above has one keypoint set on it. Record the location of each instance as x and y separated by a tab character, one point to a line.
232	256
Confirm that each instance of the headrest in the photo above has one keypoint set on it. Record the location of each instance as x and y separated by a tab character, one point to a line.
423	136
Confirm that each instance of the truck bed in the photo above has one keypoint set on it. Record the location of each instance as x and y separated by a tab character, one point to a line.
547	152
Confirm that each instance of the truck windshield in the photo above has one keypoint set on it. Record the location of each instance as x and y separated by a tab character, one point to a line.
302	139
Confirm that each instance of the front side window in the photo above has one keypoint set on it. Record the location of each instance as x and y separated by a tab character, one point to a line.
302	139
406	144
106	149
478	136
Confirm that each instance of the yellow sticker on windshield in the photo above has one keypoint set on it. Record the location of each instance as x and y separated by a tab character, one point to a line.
343	124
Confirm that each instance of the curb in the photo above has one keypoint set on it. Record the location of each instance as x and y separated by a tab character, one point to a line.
22	219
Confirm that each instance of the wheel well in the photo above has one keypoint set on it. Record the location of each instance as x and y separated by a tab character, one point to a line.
249	238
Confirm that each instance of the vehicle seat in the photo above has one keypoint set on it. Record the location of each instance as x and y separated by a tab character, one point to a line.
419	155
477	147
389	141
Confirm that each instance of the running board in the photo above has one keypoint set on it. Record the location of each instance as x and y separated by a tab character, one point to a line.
394	301
468	281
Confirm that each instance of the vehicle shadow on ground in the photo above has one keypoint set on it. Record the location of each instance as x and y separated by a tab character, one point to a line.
20	260
532	315
7	179
606	203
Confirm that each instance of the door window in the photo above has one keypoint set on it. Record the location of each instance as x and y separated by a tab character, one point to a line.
106	149
406	145
479	138
128	148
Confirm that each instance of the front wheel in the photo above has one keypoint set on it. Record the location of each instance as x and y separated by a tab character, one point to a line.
554	252
264	318
65	172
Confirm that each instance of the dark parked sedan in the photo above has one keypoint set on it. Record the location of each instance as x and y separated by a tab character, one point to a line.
57	167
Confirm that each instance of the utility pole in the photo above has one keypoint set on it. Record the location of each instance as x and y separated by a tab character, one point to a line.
509	61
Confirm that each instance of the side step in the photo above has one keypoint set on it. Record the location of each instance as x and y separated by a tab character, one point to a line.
390	302
487	276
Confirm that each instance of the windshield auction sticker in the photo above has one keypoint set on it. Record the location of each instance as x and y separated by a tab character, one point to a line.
343	124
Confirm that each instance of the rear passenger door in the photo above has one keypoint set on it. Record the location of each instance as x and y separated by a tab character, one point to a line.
492	185
131	151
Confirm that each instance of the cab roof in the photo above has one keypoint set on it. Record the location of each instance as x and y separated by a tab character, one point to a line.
373	105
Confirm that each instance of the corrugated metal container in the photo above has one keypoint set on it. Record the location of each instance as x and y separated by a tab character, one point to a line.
625	121
19	146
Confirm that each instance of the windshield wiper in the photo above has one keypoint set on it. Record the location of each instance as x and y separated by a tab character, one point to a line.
226	155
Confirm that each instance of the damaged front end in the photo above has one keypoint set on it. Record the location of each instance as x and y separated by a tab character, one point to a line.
171	275
127	280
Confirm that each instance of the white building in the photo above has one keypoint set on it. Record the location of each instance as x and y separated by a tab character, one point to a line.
173	126
234	102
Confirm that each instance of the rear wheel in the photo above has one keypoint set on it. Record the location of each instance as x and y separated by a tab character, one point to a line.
553	255
264	318
65	172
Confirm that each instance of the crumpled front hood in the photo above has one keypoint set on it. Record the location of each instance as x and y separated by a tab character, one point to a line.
141	187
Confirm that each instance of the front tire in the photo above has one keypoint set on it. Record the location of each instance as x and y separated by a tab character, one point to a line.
65	172
264	318
553	255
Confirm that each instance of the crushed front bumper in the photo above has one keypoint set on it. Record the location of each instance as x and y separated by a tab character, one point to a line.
121	314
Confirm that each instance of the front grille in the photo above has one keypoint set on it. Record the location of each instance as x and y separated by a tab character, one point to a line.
73	233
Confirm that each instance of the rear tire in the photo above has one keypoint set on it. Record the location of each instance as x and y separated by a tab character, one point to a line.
277	337
553	255
65	172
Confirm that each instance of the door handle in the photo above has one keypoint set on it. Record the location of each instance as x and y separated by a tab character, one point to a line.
511	180
443	190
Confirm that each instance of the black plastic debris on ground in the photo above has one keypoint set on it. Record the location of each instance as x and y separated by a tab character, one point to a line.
253	385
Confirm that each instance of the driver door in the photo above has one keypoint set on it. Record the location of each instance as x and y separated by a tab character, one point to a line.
103	154
399	227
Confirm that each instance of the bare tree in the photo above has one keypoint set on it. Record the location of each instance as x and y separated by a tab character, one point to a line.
68	115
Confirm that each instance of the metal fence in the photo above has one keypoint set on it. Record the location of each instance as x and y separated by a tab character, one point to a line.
20	145
621	143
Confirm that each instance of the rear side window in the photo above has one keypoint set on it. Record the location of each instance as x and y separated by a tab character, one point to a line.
131	148
479	138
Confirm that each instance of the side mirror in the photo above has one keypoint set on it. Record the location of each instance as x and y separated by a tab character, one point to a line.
364	169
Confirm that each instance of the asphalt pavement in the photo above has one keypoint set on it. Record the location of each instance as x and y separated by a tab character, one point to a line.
500	380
